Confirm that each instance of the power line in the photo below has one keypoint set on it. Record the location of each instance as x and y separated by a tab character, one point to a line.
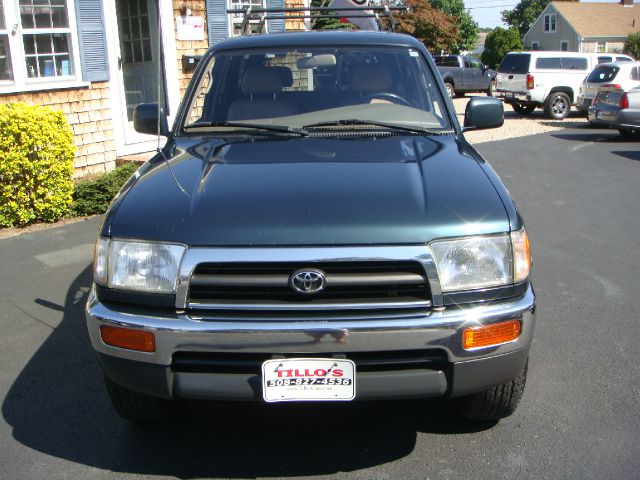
491	6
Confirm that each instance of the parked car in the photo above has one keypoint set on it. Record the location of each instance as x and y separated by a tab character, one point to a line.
305	240
462	73
621	75
549	80
616	108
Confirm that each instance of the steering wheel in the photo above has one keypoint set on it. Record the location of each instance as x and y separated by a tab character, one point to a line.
392	97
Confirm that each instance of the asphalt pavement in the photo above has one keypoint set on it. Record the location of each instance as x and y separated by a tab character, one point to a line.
578	192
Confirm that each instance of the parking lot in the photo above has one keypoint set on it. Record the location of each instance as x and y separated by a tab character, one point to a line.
577	188
517	125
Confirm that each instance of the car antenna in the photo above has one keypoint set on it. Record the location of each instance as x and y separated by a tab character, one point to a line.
159	91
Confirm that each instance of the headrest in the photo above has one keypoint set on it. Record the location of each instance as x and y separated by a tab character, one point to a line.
263	80
368	77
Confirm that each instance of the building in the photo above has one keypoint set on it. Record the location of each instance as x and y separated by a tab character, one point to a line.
583	27
96	59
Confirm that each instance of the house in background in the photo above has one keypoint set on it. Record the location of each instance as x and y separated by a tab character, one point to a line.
97	59
583	27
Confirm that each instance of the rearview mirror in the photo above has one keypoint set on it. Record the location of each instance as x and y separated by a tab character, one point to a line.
322	60
147	117
483	112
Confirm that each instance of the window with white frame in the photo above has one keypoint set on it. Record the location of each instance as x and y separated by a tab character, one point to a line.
38	42
5	59
550	22
602	47
236	18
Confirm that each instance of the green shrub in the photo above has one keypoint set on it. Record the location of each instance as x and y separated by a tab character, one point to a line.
36	164
632	45
94	196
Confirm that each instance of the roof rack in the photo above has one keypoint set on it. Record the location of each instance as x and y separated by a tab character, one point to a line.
300	13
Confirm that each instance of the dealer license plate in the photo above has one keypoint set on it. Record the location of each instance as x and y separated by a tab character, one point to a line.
308	379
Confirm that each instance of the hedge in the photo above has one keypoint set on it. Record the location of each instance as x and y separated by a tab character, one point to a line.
93	196
36	164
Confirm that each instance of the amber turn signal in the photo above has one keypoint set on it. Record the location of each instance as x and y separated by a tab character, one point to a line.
128	338
490	335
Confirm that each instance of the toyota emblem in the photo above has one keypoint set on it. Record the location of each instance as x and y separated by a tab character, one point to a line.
308	281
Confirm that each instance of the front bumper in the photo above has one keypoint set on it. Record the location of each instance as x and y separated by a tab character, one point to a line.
438	330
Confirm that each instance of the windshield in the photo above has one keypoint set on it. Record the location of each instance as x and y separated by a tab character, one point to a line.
330	88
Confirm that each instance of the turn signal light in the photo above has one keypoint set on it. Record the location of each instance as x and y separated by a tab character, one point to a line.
127	338
490	335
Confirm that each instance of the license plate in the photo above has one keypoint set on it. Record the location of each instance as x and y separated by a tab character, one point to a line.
308	379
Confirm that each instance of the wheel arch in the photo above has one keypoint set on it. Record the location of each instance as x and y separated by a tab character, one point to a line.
563	89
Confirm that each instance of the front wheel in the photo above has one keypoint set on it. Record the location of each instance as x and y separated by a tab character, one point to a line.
558	106
135	406
449	88
523	108
494	403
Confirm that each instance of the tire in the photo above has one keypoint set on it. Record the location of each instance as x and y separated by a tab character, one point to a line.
523	108
492	87
494	403
135	406
558	106
449	88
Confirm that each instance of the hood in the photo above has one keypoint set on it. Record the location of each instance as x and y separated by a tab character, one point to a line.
310	191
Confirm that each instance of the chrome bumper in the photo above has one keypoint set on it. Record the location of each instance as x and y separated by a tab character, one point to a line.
439	329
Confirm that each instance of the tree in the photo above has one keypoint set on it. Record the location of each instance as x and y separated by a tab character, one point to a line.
498	43
437	30
333	23
632	45
467	27
524	14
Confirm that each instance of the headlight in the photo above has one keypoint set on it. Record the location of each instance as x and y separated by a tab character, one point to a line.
482	262
139	266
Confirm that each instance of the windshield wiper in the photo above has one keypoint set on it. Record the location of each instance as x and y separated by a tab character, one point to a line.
254	126
375	123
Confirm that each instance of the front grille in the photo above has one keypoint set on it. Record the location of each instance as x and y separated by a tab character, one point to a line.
354	288
251	363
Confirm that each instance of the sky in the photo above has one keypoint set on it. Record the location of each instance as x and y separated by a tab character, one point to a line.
487	12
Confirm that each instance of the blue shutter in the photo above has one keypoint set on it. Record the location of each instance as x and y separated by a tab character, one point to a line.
275	25
92	40
217	21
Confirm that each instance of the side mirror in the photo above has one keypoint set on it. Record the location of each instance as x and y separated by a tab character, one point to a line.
483	112
146	117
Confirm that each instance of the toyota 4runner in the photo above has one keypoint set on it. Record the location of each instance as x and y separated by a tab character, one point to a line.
316	228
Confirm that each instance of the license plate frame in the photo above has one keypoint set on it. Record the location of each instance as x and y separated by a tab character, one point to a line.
308	380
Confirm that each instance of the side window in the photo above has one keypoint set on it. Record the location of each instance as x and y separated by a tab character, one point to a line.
451	61
475	63
549	63
604	59
574	63
635	73
623	59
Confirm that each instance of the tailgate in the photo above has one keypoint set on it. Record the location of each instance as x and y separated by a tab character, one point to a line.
511	82
512	72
